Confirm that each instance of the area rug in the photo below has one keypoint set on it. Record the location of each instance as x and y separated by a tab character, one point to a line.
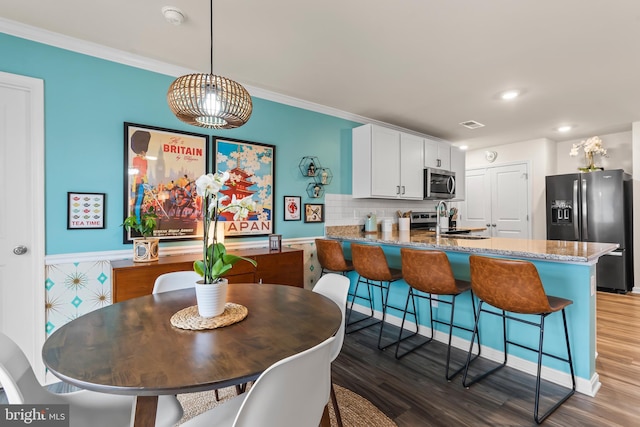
356	411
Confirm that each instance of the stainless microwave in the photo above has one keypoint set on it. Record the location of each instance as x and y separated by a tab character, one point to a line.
439	184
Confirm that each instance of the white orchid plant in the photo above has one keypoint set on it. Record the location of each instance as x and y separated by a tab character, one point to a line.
590	146
215	259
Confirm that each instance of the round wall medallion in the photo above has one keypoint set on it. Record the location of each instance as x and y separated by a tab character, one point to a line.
490	156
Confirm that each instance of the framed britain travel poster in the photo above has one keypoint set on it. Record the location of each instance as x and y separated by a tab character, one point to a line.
161	167
251	167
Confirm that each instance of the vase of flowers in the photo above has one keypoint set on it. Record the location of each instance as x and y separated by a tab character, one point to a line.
591	147
212	289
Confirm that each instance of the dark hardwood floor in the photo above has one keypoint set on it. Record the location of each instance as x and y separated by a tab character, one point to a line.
414	392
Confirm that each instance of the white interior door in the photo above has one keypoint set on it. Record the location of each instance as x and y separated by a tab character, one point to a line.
497	198
509	201
22	300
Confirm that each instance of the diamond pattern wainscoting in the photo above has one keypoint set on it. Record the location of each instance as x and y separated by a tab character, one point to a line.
75	289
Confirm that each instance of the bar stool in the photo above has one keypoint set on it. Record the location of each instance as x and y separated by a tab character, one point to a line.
429	273
331	257
514	286
371	265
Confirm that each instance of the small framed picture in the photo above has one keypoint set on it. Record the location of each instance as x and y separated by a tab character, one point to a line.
313	212
292	208
85	210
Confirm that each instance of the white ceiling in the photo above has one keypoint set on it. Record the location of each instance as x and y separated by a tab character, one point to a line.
424	65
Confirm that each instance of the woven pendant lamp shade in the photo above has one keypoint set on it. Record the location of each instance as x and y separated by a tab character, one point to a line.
209	101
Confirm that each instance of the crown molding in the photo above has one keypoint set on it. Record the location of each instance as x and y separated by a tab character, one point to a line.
61	41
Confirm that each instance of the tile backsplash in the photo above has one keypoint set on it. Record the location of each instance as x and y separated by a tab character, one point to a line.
342	209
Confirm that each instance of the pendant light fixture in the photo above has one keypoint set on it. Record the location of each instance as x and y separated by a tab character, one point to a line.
209	101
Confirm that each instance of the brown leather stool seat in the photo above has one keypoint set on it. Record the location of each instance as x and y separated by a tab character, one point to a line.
429	273
514	286
331	257
371	265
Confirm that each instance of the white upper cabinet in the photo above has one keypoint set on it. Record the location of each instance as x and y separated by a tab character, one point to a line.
437	154
411	167
387	164
458	165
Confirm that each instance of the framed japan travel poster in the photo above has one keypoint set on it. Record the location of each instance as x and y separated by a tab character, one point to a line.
161	167
251	167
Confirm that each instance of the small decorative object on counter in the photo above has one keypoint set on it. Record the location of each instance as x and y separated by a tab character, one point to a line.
275	242
404	224
371	224
591	147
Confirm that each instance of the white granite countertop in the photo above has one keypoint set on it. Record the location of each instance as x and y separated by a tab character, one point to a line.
552	250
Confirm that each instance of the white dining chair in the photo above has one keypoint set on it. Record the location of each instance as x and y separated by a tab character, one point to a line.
335	287
86	408
292	392
175	280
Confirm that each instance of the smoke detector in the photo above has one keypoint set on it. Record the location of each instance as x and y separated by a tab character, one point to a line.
472	124
173	15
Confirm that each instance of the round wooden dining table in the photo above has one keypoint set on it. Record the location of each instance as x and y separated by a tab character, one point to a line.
131	347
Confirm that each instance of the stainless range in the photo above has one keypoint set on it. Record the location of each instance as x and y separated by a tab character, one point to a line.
424	220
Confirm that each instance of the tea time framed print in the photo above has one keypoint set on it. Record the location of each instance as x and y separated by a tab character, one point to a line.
85	210
292	208
251	167
161	167
313	212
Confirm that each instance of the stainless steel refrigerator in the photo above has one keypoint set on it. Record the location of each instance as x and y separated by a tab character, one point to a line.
595	207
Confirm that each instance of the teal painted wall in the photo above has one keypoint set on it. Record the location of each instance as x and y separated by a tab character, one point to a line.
87	100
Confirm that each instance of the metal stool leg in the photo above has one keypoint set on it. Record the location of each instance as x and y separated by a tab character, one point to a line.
540	419
371	315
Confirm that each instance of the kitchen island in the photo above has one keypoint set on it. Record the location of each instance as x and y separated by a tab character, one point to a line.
567	270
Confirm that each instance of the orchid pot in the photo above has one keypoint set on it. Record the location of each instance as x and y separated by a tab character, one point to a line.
211	297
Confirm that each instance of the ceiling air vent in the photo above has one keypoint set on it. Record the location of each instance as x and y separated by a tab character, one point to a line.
472	124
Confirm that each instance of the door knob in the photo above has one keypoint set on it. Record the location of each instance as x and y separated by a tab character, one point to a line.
488	225
20	250
493	225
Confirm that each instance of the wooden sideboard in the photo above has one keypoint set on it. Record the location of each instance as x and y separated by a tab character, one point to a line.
133	279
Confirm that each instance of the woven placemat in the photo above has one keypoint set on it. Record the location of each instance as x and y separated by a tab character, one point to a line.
188	318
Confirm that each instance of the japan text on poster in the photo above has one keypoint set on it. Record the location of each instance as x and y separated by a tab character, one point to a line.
251	168
162	166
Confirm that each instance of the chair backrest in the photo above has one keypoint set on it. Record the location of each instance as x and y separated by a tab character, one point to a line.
176	280
331	256
292	392
511	285
335	287
17	377
428	271
370	262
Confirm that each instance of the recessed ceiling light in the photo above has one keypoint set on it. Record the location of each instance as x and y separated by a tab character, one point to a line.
565	128
510	94
463	147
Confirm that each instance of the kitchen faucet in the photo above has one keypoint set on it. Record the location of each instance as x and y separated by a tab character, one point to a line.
440	203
